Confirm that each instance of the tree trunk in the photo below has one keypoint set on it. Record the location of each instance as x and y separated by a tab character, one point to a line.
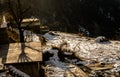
21	35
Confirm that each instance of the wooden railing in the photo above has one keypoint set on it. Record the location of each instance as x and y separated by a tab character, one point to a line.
14	72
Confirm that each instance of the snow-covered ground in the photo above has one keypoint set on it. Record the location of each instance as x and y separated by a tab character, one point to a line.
82	47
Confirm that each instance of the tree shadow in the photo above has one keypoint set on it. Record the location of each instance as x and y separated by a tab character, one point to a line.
32	48
23	57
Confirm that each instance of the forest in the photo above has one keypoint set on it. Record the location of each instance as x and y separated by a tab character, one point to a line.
98	17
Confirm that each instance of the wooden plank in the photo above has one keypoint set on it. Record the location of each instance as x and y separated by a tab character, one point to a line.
98	66
16	71
15	53
30	68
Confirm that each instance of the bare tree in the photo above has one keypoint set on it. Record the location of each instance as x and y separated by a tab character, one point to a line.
18	13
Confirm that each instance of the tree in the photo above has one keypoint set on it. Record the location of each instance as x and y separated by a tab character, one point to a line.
94	15
18	12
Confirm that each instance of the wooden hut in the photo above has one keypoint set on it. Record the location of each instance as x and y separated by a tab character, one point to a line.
26	57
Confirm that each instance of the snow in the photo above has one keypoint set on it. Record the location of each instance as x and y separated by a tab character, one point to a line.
30	36
82	47
57	66
2	74
49	37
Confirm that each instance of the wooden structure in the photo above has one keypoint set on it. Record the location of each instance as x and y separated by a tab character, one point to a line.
3	36
26	57
30	22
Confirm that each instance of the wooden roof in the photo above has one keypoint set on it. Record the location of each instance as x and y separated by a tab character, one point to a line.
20	52
30	20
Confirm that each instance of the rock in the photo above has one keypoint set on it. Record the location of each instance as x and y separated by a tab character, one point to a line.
102	39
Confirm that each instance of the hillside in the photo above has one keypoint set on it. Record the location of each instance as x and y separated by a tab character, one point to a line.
92	58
